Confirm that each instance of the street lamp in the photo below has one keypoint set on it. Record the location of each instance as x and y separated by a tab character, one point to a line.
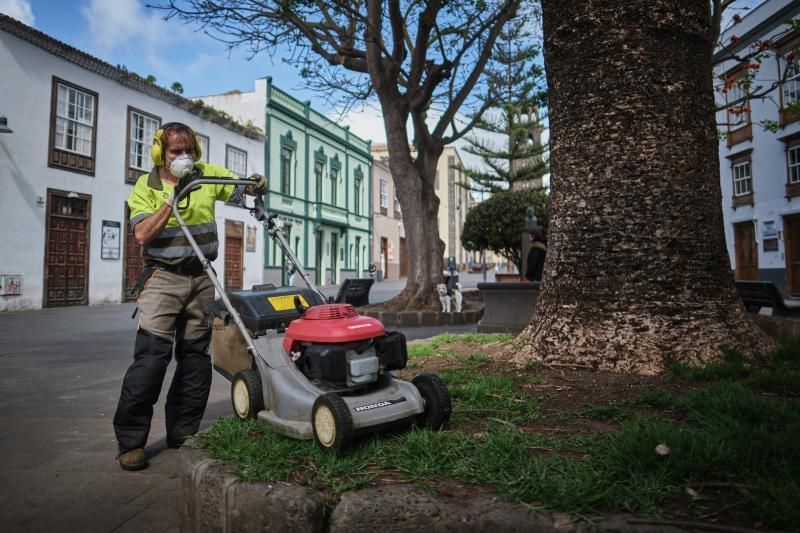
4	126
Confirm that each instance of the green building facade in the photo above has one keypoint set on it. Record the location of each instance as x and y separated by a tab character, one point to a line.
320	189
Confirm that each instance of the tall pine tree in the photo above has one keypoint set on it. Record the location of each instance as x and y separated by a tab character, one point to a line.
515	93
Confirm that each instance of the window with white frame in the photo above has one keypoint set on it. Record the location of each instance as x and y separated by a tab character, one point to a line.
793	160
236	161
142	130
791	85
737	116
75	113
203	147
742	178
384	195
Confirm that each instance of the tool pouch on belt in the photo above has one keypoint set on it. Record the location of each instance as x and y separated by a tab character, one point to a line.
147	273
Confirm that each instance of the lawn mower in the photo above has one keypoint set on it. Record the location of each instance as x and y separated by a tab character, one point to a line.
306	367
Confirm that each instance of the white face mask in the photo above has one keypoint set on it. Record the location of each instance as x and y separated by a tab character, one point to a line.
181	166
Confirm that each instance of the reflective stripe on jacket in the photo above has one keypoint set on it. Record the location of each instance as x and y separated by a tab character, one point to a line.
171	246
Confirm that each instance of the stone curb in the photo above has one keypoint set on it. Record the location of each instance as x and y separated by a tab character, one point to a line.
210	498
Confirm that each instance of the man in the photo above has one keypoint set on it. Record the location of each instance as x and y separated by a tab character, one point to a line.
175	290
536	255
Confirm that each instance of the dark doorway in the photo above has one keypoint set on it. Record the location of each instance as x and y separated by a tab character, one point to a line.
791	234
746	251
132	260
66	264
403	258
234	238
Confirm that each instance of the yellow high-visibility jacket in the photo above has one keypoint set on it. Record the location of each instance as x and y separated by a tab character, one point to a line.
171	246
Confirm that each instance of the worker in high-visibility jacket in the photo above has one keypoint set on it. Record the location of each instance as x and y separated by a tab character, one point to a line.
174	290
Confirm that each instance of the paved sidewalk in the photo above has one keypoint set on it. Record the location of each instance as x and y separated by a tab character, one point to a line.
60	374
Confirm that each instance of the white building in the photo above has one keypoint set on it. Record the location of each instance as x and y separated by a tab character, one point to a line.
81	134
454	202
760	169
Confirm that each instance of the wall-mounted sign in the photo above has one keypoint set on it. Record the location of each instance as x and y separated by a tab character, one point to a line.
10	284
769	229
251	239
109	245
770	245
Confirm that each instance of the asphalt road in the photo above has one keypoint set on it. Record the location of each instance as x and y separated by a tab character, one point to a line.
60	376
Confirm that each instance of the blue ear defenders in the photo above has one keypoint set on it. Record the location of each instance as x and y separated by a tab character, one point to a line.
157	150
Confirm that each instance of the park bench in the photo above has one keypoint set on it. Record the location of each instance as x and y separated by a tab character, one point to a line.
354	291
758	294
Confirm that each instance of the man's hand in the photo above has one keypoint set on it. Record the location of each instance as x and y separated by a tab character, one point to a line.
259	186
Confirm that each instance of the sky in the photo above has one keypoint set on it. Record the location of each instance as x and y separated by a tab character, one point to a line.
127	32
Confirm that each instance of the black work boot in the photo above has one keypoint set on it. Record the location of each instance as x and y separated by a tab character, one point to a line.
133	459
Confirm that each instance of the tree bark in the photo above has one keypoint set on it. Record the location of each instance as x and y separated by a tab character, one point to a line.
637	275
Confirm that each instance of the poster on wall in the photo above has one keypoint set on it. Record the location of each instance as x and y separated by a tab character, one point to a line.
768	229
10	284
109	247
251	239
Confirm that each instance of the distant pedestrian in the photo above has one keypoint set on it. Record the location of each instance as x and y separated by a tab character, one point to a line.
451	265
536	255
292	275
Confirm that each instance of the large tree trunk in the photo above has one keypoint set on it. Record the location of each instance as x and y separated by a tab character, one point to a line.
414	180
637	275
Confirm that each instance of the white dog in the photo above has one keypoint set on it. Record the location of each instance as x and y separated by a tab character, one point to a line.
450	301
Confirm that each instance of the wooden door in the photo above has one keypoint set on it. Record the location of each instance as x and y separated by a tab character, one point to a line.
746	251
384	266
234	238
66	266
403	258
132	260
791	233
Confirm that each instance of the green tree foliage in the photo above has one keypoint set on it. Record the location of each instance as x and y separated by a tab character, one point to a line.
497	223
177	87
515	95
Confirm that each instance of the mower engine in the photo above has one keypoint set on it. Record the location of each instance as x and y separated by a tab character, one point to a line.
338	349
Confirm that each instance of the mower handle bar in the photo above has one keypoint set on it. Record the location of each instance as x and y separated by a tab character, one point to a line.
259	212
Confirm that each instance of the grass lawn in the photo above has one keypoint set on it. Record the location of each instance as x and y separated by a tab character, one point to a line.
719	444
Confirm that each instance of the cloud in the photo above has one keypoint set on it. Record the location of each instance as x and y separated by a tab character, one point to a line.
18	9
365	121
125	26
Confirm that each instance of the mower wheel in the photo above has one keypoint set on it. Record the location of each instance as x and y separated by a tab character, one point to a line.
332	423
246	394
437	401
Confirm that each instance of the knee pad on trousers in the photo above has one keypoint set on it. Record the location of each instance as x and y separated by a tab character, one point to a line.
140	389
197	346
